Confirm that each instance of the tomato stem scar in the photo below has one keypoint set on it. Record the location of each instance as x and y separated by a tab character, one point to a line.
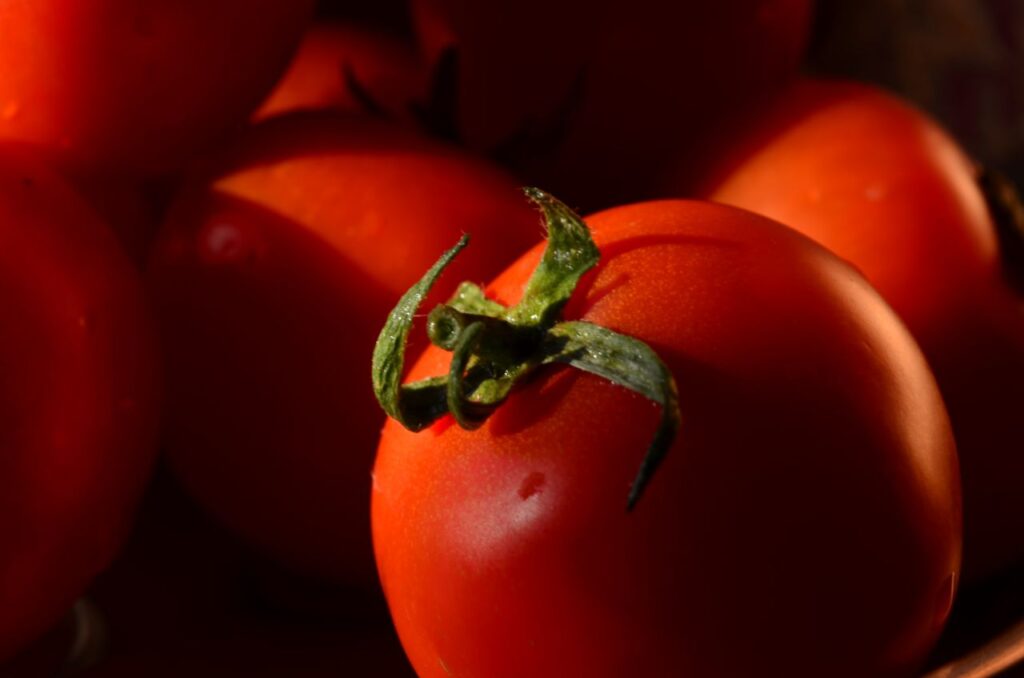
494	347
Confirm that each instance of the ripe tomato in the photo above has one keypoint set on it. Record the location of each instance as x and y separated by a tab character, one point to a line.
138	85
337	64
588	98
884	187
271	281
806	517
77	399
131	208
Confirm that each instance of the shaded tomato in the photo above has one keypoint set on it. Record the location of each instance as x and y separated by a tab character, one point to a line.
272	278
78	398
131	208
350	68
807	515
587	98
140	86
883	186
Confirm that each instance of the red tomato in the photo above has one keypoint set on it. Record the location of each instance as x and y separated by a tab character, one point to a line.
806	517
884	187
128	206
77	399
272	281
336	64
138	85
588	98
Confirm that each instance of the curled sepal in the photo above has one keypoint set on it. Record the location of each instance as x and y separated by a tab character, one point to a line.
1007	210
628	362
468	415
570	253
469	298
415	406
494	347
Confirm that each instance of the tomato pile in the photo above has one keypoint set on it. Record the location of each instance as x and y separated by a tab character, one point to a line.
758	408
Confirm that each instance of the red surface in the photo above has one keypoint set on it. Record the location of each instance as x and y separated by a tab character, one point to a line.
807	515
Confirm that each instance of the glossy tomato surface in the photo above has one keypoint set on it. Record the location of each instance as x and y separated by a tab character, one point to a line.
587	98
806	517
138	86
884	187
78	397
272	279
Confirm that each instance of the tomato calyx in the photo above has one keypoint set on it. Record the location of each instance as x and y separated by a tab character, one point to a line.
495	347
1007	210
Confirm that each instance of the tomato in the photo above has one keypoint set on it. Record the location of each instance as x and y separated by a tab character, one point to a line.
806	515
587	98
78	398
138	86
271	280
349	68
882	186
131	208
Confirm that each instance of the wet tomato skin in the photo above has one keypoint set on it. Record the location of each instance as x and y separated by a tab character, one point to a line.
884	187
78	397
807	515
272	276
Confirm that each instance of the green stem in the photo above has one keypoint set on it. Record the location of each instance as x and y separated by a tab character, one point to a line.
495	347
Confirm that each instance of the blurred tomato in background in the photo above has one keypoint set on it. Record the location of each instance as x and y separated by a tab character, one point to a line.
79	398
272	277
589	98
138	86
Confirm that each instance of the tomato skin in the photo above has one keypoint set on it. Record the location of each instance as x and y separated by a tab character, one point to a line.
807	515
78	401
386	68
882	186
272	280
635	86
139	86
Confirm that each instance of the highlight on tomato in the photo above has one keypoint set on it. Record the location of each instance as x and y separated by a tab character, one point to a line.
78	397
714	450
884	187
271	277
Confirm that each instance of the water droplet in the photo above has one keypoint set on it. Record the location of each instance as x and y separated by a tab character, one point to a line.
531	485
